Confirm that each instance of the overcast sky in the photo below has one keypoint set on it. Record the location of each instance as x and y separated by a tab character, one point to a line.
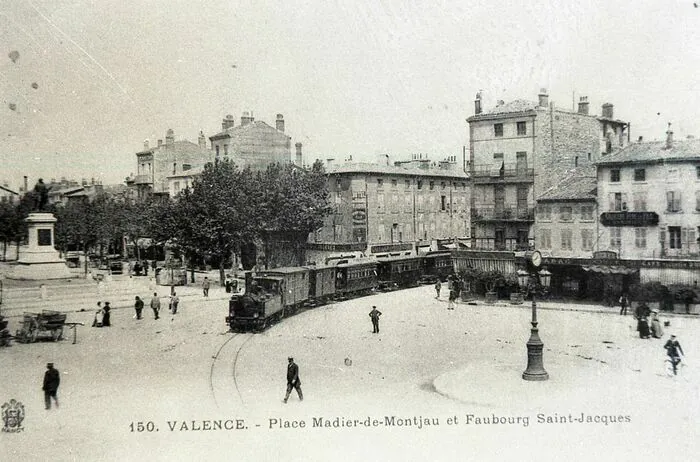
92	79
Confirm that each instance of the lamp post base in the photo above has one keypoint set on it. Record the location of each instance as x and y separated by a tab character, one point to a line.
535	366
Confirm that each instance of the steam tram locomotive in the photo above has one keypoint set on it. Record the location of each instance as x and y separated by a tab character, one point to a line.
273	294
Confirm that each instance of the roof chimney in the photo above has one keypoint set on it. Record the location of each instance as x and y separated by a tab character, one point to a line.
669	137
246	118
583	105
279	124
544	98
227	123
202	140
145	145
477	104
170	137
608	111
298	154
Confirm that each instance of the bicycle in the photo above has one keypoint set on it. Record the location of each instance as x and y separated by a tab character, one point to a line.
671	368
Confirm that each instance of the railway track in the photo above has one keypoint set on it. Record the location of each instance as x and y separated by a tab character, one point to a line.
223	382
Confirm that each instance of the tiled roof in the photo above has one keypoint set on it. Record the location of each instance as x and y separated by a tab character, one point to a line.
256	124
654	151
360	167
518	105
177	146
578	185
194	171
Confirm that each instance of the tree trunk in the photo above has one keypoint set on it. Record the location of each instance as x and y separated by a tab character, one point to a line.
85	255
222	276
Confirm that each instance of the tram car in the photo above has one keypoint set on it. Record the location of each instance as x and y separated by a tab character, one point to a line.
355	278
437	266
322	282
402	271
269	296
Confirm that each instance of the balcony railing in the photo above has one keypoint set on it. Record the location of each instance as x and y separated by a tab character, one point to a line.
142	179
511	244
505	213
337	247
491	173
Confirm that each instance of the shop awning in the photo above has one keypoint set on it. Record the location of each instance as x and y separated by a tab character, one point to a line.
608	269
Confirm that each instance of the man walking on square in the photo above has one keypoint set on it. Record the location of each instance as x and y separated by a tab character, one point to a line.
155	304
174	301
293	380
374	315
138	306
205	286
51	381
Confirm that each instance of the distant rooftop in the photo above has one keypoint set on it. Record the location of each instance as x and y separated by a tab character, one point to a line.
655	152
362	167
577	185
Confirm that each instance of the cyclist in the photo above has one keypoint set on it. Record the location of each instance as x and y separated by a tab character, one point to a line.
674	352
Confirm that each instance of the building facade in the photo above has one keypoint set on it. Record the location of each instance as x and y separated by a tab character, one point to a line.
566	222
515	150
253	143
649	198
156	164
382	208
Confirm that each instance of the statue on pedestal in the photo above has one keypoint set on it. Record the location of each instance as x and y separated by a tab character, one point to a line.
41	195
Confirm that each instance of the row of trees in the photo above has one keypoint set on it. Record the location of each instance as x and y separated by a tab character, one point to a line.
225	209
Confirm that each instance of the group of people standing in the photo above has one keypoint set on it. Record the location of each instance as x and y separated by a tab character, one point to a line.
103	316
648	323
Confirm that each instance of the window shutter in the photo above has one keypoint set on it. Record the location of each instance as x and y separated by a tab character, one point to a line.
612	202
677	201
625	204
669	201
662	235
684	237
697	201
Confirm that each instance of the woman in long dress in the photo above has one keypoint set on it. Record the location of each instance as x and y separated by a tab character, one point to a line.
656	330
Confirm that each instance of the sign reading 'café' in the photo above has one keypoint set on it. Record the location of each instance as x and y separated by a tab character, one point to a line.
637	219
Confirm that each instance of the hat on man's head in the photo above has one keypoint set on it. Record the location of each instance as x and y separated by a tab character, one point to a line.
673	336
49	364
290	358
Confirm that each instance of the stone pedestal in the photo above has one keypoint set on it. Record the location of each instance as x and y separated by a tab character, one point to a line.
39	260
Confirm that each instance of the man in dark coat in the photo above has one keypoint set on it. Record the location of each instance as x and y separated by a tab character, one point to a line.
155	304
293	380
374	315
51	382
138	306
674	351
106	319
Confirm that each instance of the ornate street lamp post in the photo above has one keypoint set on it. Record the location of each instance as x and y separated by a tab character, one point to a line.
528	280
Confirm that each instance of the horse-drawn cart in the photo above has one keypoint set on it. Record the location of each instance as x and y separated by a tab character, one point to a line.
45	323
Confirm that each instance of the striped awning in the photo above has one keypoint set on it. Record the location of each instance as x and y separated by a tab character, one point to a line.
606	269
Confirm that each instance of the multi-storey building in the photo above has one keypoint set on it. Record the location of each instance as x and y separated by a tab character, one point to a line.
566	217
649	196
516	149
385	208
156	164
253	143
